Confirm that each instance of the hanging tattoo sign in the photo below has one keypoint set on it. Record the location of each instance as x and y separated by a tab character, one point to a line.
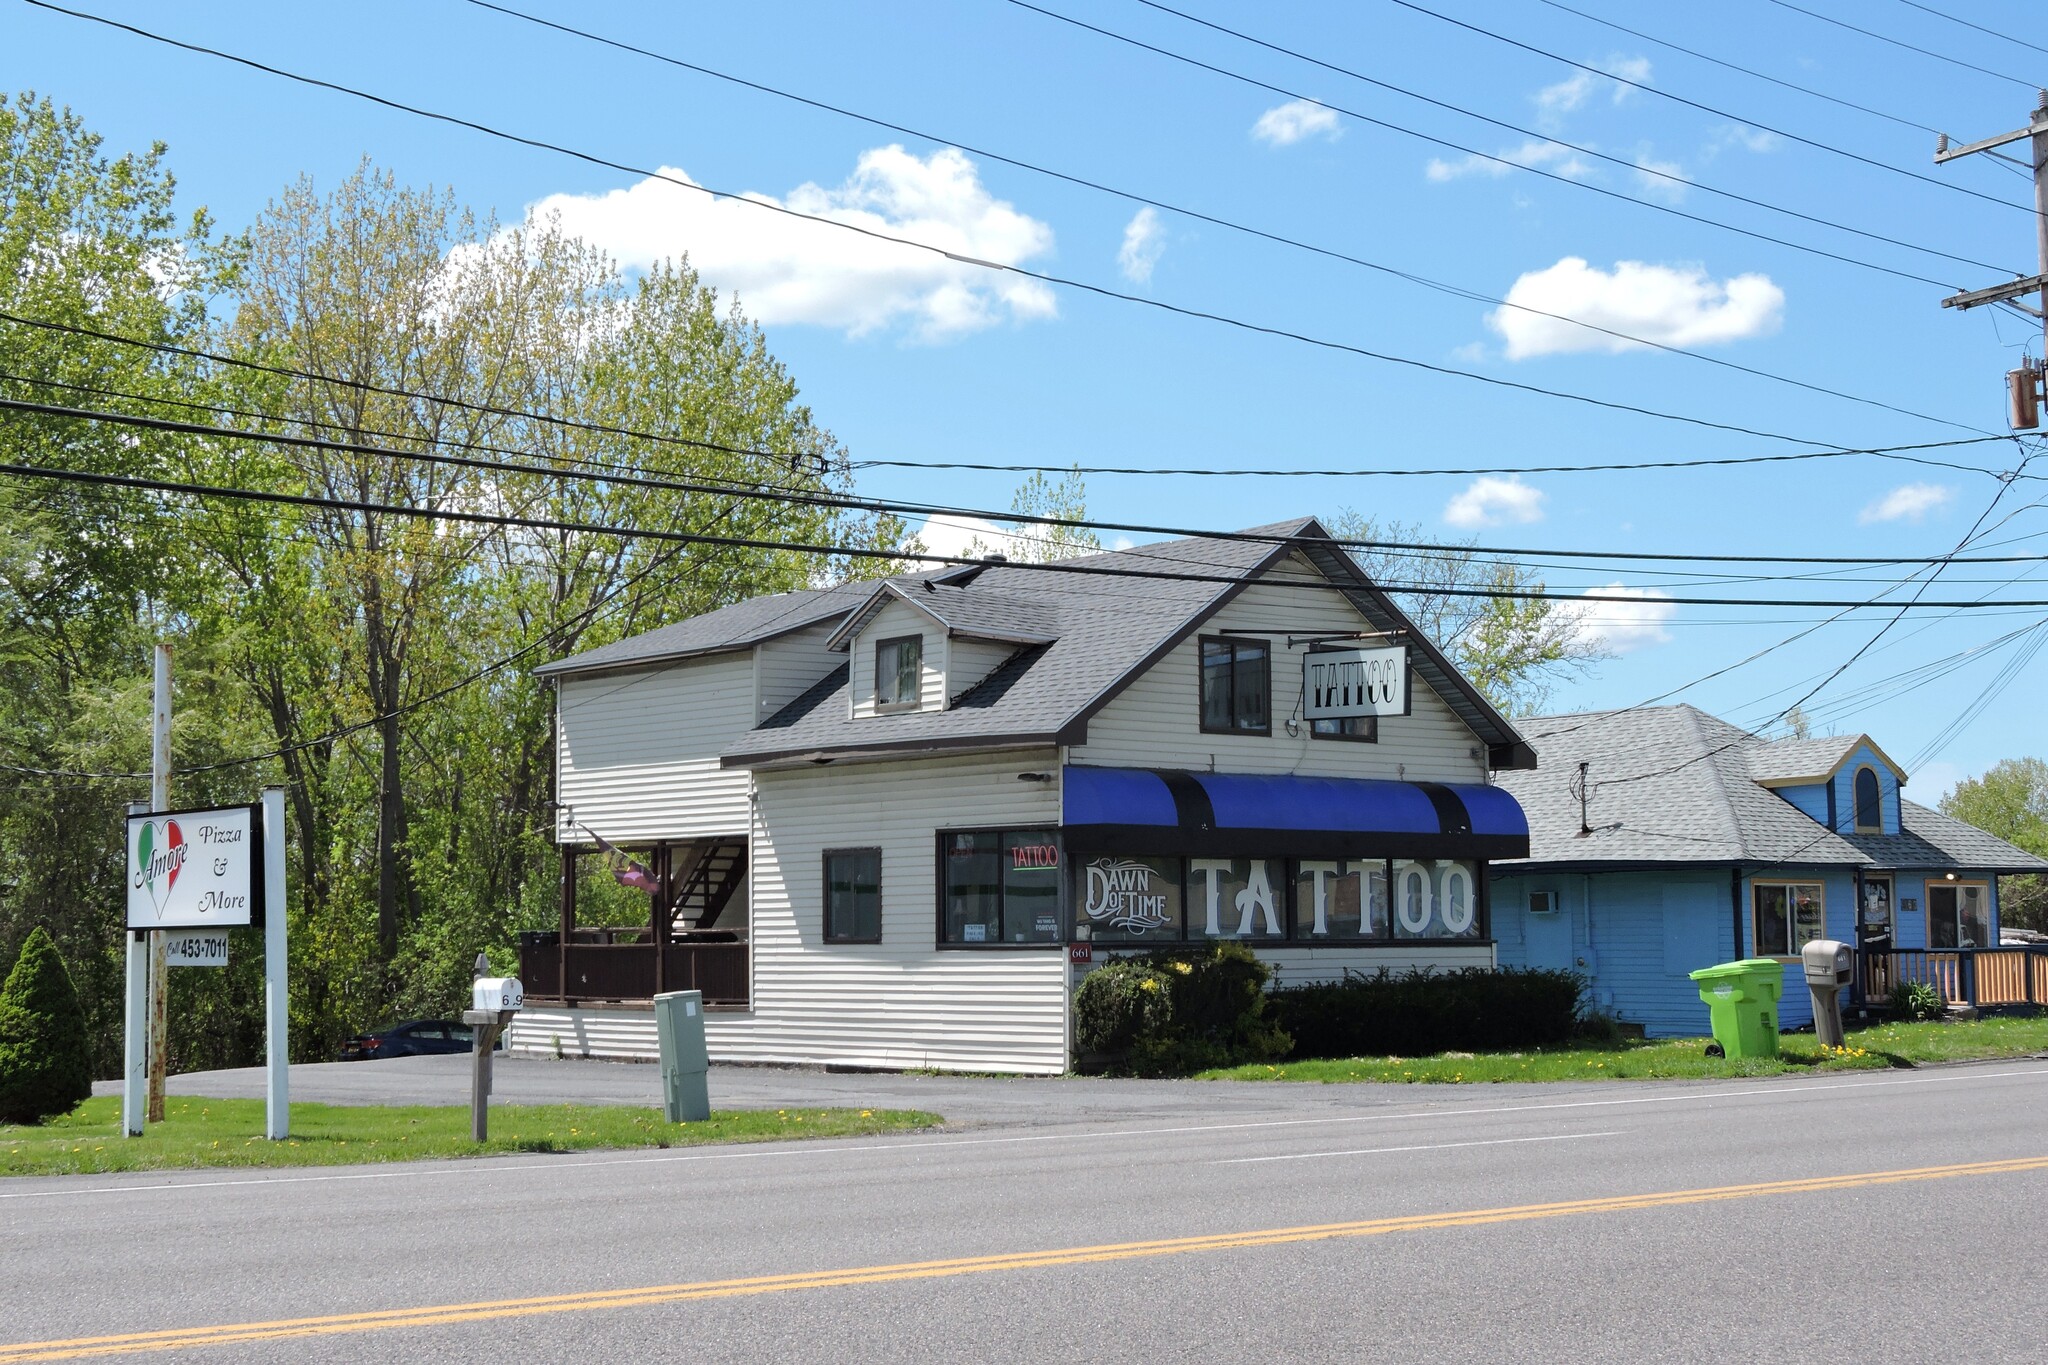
1338	684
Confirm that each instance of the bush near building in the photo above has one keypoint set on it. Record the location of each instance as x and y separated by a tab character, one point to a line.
1418	1014
1168	1013
44	1066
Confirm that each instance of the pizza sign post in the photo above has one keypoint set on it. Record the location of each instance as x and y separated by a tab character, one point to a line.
1338	684
199	874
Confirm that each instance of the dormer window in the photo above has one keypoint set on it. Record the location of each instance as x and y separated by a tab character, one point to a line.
1869	803
898	662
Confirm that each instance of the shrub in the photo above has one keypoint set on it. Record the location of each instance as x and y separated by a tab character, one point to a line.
1420	1013
44	1066
1917	1000
1170	1012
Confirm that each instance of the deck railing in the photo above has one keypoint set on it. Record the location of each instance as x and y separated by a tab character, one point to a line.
620	965
1975	977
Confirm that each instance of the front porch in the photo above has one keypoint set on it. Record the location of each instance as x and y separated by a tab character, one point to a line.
695	937
1968	978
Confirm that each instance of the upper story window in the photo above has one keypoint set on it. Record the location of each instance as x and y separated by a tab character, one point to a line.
898	662
1237	686
1869	803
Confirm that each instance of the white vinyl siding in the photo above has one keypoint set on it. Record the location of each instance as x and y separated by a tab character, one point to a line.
903	1002
889	623
1156	722
637	753
969	661
787	667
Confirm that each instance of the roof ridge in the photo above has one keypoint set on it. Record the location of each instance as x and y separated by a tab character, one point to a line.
1726	805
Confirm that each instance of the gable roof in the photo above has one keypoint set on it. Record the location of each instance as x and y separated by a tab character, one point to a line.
982	614
1793	762
1672	785
1085	633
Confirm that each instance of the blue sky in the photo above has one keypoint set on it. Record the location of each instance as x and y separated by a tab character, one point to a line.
908	359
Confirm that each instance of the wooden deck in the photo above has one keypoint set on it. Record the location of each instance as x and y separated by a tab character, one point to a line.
622	966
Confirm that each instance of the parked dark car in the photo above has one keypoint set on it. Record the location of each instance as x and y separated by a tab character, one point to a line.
413	1038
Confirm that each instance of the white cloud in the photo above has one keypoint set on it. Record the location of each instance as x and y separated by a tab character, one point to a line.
1144	240
785	269
1289	123
1741	135
1907	502
1537	153
1491	501
1661	180
1553	102
1624	627
1676	306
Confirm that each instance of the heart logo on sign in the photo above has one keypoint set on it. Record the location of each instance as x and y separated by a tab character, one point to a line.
159	856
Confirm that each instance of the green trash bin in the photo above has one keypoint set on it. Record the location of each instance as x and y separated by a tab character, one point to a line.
1742	1001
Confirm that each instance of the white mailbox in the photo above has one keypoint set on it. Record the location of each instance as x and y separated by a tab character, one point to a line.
1827	963
498	993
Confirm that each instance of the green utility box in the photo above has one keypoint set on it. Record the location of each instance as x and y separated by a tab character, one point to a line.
685	1060
1742	1001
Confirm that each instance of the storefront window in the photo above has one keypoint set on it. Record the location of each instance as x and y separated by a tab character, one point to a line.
1000	887
1414	901
1457	900
1237	898
1131	900
1787	916
1336	899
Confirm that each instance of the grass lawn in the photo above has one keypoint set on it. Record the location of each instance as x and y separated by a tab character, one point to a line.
202	1132
1885	1046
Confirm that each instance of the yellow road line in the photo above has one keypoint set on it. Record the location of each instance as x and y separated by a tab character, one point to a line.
185	1338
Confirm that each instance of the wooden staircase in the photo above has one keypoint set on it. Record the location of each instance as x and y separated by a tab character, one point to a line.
704	885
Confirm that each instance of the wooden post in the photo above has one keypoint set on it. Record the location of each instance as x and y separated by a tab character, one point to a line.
487	1024
568	918
657	915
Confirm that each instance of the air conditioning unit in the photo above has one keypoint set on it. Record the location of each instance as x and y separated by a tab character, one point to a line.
1542	902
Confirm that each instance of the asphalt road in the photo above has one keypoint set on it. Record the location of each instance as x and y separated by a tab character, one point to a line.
1891	1216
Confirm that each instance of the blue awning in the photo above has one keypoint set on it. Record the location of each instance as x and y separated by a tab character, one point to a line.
1166	811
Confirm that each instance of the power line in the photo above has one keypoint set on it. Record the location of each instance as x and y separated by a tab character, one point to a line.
1954	19
1895	42
961	258
1262	234
1832	453
165	424
1745	70
1512	127
792	457
1789	136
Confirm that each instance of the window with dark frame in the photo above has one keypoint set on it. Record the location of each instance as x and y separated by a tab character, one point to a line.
999	888
1124	899
898	662
1361	729
1237	686
1869	803
853	895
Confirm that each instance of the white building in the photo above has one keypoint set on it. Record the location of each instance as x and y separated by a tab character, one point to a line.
892	823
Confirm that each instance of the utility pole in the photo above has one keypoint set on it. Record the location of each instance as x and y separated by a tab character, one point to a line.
2024	385
159	961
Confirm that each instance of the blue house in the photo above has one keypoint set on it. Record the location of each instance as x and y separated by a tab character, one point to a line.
1663	840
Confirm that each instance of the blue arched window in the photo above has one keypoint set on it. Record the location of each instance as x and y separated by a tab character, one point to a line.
1869	803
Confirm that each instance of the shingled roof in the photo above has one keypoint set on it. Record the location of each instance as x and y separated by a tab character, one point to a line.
1672	785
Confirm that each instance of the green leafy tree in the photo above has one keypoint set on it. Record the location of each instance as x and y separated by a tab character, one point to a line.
2011	801
1035	542
1516	649
45	1063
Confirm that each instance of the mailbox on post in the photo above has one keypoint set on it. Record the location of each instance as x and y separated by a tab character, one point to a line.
1829	967
685	1059
496	1000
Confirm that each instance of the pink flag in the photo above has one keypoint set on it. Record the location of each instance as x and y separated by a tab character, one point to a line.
632	874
